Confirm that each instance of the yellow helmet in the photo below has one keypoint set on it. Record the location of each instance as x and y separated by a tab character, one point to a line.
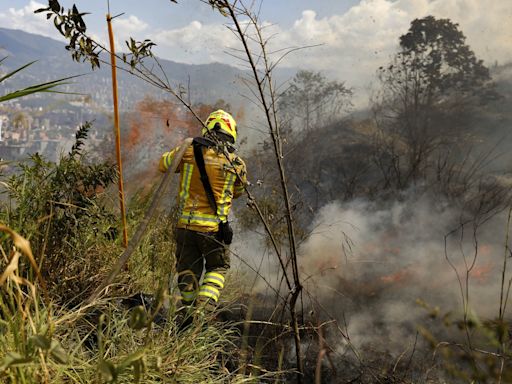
225	121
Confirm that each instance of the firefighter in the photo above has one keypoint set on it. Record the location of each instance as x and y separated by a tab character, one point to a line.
203	233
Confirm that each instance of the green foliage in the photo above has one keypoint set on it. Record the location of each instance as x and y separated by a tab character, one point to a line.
59	207
139	51
475	351
219	5
40	343
26	336
71	25
104	342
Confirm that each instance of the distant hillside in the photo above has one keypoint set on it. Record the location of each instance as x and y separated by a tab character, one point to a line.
22	47
207	82
343	160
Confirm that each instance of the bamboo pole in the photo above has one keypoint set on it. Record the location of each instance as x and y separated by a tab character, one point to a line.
116	129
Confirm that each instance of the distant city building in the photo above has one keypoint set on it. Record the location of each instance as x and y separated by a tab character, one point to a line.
3	119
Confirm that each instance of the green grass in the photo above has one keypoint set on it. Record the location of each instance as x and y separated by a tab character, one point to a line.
48	334
104	341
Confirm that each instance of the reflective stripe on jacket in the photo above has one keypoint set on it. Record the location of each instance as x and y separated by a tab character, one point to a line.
195	211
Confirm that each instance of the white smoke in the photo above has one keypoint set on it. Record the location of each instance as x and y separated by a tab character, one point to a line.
367	265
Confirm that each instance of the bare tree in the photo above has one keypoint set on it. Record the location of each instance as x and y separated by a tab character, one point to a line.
266	96
311	100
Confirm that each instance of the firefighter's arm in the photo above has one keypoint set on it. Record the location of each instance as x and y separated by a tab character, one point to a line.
166	160
241	180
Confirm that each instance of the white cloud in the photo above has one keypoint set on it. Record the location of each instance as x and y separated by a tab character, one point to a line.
354	44
195	43
359	41
130	26
25	19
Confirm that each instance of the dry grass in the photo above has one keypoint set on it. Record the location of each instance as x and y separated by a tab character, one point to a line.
45	343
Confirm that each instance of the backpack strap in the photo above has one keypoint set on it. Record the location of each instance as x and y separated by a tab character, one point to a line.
198	155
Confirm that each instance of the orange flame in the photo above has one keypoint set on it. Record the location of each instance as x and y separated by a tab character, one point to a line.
400	276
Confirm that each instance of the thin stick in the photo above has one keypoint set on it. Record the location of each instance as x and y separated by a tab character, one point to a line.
116	129
276	139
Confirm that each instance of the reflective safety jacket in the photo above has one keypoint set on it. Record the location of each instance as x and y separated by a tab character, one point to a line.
227	175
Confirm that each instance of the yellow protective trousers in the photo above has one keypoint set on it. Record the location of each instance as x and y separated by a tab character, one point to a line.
198	253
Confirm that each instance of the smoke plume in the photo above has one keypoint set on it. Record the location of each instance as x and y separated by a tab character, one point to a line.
369	265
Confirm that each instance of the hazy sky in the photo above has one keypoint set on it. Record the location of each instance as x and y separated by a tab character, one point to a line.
356	37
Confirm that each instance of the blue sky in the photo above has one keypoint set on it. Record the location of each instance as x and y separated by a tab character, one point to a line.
178	15
164	14
354	37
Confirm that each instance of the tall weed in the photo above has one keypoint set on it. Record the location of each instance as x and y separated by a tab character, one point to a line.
63	210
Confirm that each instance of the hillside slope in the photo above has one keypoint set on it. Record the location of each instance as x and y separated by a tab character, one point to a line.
207	82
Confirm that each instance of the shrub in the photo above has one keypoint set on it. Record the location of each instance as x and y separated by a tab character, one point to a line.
61	208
